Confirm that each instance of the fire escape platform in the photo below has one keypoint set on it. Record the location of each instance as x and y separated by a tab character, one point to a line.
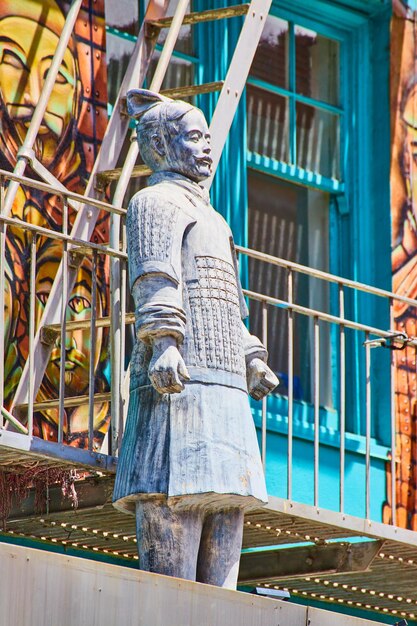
19	452
278	532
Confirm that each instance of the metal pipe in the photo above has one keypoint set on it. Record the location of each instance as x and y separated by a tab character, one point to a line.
2	292
32	296
368	428
91	372
11	418
81	244
70	195
290	384
124	288
265	398
342	406
63	327
40	108
393	427
331	278
316	409
326	317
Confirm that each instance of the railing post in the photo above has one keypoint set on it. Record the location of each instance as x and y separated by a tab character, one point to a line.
93	334
265	398
316	409
368	427
342	398
393	426
290	383
32	304
2	290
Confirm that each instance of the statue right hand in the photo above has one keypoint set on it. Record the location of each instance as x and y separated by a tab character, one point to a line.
167	366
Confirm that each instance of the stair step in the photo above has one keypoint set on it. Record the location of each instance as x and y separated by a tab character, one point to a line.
193	90
68	402
181	92
203	16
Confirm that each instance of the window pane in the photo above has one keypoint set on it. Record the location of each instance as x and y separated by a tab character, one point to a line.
290	222
184	42
317	66
267	123
318	141
179	73
271	58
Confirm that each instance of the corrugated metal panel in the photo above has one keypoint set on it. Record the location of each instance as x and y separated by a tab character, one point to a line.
43	589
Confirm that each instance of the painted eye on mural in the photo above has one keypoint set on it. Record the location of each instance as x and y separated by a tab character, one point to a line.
11	58
42	297
79	304
60	79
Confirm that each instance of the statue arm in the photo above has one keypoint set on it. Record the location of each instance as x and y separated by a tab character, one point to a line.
155	230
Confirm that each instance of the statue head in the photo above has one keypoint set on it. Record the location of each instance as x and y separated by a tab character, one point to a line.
172	135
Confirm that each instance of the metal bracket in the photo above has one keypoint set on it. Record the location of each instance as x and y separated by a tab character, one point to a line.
48	336
397	341
76	256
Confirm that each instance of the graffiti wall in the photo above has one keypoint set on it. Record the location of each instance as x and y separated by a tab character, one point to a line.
403	175
67	144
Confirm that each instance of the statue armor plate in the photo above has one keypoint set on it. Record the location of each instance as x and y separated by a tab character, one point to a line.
201	442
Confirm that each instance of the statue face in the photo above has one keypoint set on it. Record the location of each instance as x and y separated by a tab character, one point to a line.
189	150
23	70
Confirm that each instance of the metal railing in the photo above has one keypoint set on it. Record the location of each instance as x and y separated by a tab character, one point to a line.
72	252
319	321
372	336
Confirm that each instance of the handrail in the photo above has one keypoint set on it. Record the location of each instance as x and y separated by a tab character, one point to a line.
332	278
71	195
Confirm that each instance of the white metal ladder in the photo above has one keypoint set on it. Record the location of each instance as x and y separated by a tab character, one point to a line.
104	167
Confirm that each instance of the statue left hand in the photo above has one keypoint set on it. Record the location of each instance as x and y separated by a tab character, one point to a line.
261	379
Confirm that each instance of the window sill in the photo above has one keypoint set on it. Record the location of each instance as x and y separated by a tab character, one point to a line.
303	426
292	173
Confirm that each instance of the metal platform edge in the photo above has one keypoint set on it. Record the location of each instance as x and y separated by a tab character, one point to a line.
59	452
352	524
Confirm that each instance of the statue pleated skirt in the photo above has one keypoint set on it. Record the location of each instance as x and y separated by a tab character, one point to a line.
196	447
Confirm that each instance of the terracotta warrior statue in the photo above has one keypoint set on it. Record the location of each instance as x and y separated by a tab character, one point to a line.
189	466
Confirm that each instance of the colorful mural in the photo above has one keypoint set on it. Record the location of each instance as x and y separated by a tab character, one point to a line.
404	257
67	144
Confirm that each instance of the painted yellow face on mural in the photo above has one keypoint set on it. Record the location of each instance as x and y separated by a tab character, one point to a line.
410	147
26	53
78	342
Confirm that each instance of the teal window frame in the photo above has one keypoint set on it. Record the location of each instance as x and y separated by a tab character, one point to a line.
289	170
356	26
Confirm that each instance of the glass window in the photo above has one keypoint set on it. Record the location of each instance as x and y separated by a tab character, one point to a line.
271	59
293	99
268	127
318	140
317	66
290	222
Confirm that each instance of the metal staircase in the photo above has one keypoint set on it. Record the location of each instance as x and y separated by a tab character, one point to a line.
104	171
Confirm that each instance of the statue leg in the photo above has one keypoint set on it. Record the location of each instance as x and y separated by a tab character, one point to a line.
168	540
221	543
